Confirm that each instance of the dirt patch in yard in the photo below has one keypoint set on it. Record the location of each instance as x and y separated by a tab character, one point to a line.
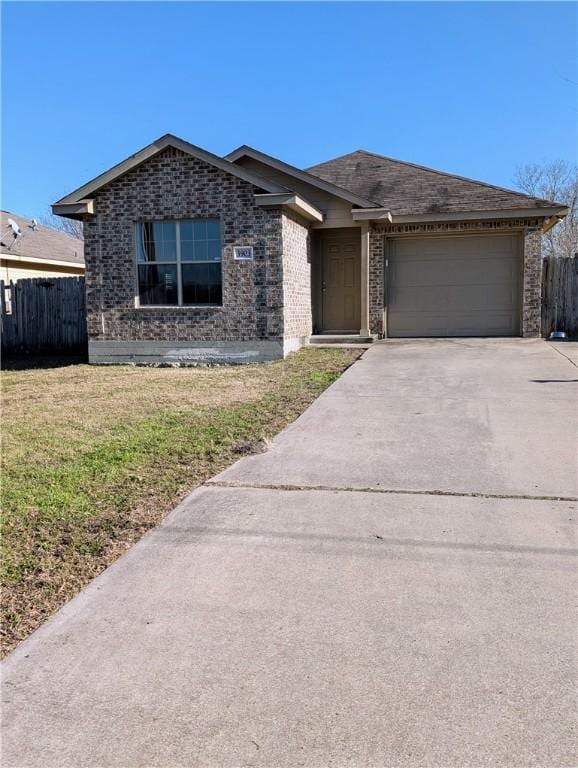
94	456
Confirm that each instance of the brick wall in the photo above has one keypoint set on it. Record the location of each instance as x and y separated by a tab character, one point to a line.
532	296
175	185
376	281
297	322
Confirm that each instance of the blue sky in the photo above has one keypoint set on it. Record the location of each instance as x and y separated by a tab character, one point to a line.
469	88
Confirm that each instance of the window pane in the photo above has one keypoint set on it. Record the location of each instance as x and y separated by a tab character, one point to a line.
214	229
147	228
157	231
151	246
169	230
200	250
201	283
214	250
145	250
187	251
186	228
157	284
160	252
200	230
140	246
169	251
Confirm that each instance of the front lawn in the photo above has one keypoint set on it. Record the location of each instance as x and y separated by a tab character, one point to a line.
95	456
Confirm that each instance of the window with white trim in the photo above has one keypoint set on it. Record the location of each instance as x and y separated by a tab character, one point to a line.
179	263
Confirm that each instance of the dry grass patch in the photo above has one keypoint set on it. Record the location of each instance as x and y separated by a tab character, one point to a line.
95	456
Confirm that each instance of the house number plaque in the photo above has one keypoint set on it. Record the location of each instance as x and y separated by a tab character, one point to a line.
243	253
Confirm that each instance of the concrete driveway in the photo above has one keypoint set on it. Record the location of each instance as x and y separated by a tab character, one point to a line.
391	584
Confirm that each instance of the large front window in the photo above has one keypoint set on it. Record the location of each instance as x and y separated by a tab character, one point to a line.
179	262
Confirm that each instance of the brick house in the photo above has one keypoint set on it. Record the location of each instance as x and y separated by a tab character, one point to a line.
191	257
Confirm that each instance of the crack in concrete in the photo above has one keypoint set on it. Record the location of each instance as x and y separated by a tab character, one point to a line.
390	491
559	351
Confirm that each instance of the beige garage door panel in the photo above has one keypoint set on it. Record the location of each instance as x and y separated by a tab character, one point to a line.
460	286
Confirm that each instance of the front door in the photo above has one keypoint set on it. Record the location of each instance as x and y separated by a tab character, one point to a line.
340	290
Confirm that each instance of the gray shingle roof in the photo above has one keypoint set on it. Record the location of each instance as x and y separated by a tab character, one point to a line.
405	188
44	243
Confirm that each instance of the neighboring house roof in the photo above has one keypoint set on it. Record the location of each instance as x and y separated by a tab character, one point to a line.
42	244
290	170
408	189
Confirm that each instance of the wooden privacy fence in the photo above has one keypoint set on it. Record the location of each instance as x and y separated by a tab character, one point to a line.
43	315
560	295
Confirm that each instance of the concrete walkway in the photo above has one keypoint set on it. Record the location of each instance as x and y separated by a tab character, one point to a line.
391	584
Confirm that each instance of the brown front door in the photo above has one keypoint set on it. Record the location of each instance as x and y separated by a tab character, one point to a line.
340	289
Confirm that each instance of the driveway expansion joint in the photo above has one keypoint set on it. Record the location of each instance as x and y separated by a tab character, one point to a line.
559	351
385	491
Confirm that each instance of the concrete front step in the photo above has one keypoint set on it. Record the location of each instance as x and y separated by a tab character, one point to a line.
344	338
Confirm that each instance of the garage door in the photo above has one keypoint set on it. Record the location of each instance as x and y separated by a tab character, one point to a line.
454	286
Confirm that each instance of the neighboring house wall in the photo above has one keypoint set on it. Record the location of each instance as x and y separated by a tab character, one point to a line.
249	325
296	283
532	262
16	270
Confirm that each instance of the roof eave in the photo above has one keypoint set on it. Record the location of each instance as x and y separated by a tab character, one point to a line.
76	210
371	214
18	257
510	213
292	202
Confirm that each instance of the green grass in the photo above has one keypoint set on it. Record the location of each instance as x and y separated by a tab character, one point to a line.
95	456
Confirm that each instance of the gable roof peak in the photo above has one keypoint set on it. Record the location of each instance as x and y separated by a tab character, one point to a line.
152	149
